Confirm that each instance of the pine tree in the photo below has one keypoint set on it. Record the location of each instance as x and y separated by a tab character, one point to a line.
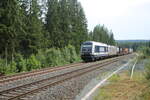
9	27
65	22
112	41
78	24
101	34
53	24
30	40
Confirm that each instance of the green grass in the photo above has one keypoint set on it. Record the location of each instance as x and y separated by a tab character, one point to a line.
102	95
117	85
115	78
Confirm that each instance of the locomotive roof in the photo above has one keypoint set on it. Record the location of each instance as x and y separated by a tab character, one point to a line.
96	43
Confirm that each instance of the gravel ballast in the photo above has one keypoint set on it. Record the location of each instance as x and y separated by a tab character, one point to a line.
75	88
72	89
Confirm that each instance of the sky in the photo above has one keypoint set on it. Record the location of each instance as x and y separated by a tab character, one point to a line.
128	19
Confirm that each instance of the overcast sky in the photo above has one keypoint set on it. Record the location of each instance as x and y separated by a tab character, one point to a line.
128	19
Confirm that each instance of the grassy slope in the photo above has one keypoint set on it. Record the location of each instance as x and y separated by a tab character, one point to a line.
121	87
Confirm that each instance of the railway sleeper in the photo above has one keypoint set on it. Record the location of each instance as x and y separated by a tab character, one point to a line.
15	92
22	91
8	95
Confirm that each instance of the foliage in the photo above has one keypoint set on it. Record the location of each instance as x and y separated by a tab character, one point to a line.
11	68
145	95
41	56
73	55
56	57
53	57
144	51
20	63
2	66
32	63
135	45
30	40
101	34
147	69
66	22
35	34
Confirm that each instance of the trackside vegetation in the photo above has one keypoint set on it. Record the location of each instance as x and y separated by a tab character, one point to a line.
49	58
144	53
39	33
135	44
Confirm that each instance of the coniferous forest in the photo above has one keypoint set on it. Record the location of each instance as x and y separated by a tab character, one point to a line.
36	34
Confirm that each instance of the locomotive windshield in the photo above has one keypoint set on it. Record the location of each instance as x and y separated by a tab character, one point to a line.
87	47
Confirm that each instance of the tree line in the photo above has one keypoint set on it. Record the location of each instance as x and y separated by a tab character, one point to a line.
29	27
101	34
135	45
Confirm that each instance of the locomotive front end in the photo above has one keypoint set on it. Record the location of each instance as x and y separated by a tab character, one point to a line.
86	51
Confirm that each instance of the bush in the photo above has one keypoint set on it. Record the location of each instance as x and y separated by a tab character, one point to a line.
144	52
54	57
74	57
57	57
44	58
2	66
32	63
11	68
41	56
20	63
66	55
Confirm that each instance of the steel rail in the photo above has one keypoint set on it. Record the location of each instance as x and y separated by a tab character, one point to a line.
36	72
31	91
46	79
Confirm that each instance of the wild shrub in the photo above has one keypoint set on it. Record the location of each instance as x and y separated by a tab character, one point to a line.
144	52
44	58
41	56
53	57
73	54
20	63
66	55
11	68
33	63
2	66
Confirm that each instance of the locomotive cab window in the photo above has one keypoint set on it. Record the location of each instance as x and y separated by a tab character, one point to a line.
87	47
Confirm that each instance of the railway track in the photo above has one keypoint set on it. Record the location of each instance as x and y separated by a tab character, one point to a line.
20	92
7	79
11	78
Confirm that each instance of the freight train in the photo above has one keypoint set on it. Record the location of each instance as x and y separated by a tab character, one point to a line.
92	51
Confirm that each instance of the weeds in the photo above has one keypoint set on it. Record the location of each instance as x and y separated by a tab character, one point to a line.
147	70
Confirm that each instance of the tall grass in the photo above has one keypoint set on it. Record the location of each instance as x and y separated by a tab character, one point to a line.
144	52
147	70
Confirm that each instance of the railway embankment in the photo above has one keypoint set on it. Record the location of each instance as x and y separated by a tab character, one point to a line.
60	84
